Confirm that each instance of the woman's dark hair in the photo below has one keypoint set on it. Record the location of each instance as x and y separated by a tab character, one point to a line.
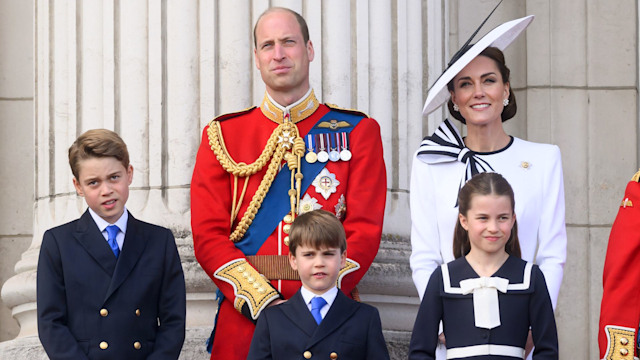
483	184
497	56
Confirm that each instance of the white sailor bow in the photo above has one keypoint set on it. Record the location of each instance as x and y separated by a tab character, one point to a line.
446	145
486	308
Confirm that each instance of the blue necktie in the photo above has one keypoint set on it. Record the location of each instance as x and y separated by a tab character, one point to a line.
317	303
112	232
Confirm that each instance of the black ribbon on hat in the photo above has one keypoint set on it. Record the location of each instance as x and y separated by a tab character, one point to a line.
446	145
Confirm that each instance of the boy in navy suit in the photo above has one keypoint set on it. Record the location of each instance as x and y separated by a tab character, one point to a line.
319	321
109	286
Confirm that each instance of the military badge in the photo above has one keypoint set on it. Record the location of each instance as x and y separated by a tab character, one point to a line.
341	208
333	124
286	139
307	204
325	183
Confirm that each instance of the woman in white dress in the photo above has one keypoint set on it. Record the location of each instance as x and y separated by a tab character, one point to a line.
481	97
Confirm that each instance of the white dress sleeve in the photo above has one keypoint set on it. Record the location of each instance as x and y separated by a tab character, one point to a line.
552	233
425	240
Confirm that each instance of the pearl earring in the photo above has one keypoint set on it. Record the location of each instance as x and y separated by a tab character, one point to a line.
505	102
456	108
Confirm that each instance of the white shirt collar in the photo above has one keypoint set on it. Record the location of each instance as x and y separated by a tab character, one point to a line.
102	223
329	296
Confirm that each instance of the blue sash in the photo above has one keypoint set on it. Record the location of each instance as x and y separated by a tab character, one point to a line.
274	207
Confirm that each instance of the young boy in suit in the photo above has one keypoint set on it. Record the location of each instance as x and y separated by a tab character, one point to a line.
319	321
109	286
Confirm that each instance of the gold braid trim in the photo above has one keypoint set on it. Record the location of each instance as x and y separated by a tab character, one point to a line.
636	177
249	286
349	267
621	341
271	151
216	141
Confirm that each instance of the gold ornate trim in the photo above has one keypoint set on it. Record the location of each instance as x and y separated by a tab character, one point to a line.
249	286
349	267
636	177
620	341
298	111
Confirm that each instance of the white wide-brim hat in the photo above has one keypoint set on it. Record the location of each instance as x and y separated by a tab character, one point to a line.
499	37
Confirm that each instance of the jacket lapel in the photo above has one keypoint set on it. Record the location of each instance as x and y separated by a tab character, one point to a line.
298	312
133	247
90	238
341	310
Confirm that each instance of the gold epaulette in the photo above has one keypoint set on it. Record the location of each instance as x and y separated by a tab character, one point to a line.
636	177
348	268
249	286
232	114
620	342
349	111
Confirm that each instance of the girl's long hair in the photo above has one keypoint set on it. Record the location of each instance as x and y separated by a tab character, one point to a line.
483	184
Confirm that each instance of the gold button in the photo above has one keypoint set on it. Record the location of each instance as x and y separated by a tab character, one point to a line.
624	341
286	228
240	268
333	356
251	279
245	274
137	312
286	240
256	285
104	312
288	219
137	345
262	290
307	354
624	352
104	345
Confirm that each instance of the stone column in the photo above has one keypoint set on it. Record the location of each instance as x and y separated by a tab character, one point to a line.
130	66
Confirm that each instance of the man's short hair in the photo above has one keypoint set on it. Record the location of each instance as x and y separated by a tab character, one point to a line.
303	24
318	229
97	143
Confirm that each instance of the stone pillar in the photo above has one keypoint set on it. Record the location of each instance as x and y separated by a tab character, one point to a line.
130	66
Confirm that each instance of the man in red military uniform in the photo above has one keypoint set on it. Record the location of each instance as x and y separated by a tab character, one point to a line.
259	168
620	308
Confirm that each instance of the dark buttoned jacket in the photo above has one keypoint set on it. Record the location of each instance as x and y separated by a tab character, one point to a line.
94	306
350	330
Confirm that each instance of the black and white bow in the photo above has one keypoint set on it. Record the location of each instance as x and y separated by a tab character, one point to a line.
446	145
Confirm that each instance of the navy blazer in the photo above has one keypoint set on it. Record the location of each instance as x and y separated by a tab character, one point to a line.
94	306
350	329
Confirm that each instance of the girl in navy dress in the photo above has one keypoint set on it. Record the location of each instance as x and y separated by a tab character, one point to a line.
488	298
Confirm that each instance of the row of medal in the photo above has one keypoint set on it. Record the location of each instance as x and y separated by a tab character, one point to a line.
327	147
